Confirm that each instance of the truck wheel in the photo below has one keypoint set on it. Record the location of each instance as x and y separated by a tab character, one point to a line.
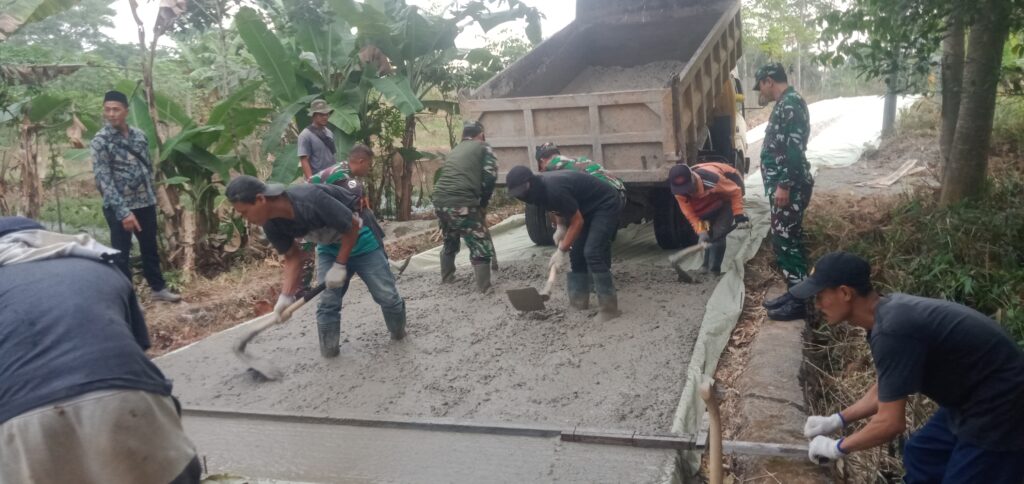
671	229
539	226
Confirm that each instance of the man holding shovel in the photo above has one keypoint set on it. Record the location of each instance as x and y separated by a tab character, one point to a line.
331	216
710	195
589	209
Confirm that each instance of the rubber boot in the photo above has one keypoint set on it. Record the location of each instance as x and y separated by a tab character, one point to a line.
777	302
577	286
790	311
717	256
705	267
607	298
482	274
396	325
447	267
329	338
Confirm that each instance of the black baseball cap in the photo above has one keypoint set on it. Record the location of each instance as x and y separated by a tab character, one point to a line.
517	180
833	270
680	179
244	188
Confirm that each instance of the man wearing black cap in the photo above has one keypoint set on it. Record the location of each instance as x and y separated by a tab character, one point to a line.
79	399
124	176
461	194
589	208
787	182
954	355
328	216
710	195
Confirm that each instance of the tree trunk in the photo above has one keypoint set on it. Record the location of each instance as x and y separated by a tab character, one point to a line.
889	109
968	158
31	184
952	81
408	162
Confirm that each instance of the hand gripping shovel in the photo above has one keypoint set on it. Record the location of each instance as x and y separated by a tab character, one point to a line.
676	258
263	367
528	299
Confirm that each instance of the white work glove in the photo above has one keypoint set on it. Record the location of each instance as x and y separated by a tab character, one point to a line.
283	301
357	220
824	450
560	231
558	259
817	425
336	276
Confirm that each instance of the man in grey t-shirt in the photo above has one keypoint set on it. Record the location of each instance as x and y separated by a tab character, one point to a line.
316	142
952	354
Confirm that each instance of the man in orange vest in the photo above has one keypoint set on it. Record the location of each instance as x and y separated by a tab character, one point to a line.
710	195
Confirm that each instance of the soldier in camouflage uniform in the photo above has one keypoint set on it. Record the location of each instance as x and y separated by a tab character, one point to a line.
787	182
461	194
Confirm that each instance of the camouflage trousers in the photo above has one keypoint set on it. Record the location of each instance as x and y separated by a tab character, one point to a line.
465	223
787	232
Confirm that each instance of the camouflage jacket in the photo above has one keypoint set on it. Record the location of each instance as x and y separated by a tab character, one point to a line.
783	159
584	165
123	170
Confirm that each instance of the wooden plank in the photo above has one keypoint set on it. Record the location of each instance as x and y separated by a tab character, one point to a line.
564	101
531	135
578	139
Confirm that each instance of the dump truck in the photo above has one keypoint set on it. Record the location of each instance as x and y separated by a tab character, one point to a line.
637	86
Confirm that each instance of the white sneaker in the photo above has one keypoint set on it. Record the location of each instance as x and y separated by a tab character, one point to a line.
165	295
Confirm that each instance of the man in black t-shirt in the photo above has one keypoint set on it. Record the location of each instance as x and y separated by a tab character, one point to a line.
589	208
952	354
79	400
348	239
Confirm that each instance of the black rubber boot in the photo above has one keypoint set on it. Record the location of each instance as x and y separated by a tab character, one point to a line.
396	325
607	298
578	287
717	253
705	267
482	274
329	338
790	311
447	267
777	302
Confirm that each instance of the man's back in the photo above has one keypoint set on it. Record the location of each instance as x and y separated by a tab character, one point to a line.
69	326
588	194
956	356
462	176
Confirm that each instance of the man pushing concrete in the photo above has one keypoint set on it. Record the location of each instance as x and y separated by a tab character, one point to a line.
589	209
79	400
330	216
710	195
959	358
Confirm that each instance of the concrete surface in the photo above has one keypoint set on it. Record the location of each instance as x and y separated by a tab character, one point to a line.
772	402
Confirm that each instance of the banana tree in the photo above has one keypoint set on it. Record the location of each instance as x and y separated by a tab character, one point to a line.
17	13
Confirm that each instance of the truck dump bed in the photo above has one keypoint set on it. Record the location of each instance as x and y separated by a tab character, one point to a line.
629	85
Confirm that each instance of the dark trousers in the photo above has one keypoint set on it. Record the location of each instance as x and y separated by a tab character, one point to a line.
592	249
121	240
934	455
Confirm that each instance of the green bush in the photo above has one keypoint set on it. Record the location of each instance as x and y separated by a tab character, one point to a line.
79	213
1008	124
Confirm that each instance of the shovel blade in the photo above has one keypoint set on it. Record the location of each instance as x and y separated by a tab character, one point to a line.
526	299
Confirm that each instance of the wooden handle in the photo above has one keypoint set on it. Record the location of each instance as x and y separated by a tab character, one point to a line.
707	393
287	313
685	252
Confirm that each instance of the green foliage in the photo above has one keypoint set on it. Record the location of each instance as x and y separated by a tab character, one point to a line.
969	252
77	214
71	31
19	13
1008	124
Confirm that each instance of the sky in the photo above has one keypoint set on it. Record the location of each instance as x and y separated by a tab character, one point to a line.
558	14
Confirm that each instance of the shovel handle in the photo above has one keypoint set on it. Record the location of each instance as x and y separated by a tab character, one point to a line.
287	313
672	259
551	280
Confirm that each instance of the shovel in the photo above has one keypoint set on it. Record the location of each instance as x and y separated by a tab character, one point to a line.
528	299
676	258
262	367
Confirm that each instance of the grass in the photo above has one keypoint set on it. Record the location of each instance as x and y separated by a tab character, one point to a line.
82	213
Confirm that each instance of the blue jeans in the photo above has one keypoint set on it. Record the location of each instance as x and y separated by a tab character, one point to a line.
935	455
372	267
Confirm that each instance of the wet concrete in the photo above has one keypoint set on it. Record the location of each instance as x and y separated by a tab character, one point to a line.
471	356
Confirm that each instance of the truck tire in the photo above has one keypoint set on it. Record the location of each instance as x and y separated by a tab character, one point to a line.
671	229
539	226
